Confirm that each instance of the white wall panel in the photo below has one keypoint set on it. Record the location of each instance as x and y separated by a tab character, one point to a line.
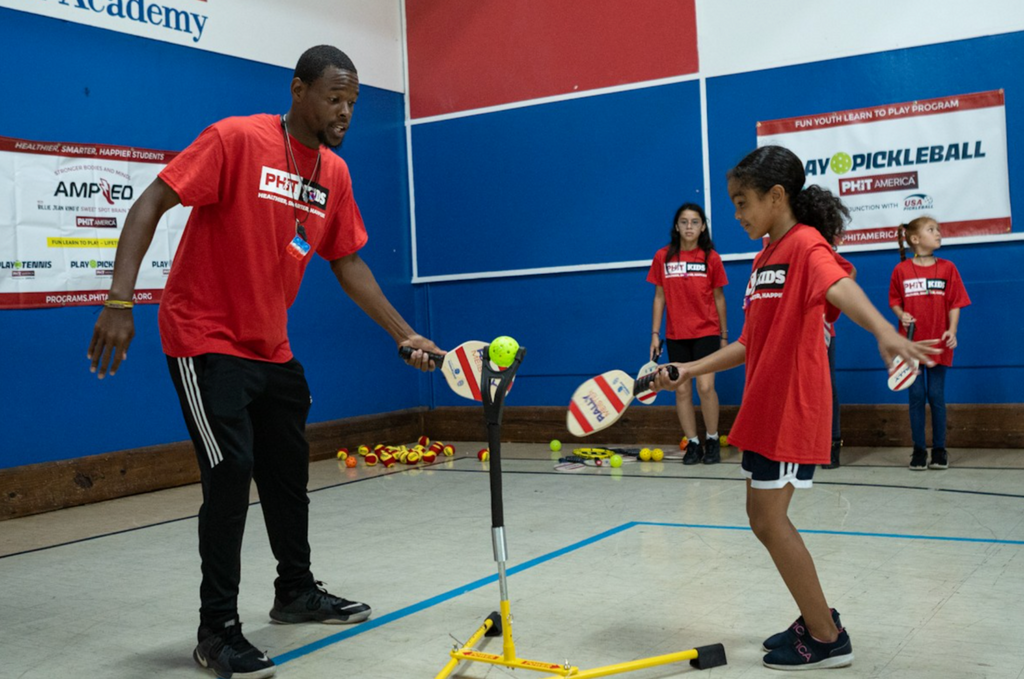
369	31
749	35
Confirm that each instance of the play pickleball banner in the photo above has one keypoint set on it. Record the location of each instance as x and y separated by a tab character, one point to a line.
65	208
945	158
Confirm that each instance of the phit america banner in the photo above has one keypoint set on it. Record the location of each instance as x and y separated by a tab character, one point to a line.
945	158
65	208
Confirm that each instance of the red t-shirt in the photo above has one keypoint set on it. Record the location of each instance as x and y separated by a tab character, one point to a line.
689	281
928	293
236	272
786	414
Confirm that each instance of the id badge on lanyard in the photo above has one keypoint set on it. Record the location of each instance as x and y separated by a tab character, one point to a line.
298	247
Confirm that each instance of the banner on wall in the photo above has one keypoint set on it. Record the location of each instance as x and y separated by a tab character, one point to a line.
369	31
59	229
945	158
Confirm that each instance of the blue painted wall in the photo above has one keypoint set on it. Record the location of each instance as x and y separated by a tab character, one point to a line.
576	325
68	82
581	181
571	182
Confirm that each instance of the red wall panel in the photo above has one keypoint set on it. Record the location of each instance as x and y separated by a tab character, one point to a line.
466	54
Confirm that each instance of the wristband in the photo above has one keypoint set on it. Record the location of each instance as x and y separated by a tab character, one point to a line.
118	304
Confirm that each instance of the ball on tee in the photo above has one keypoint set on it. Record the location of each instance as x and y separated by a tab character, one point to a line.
503	351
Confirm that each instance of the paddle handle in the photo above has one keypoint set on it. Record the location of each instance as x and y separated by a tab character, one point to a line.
644	383
406	352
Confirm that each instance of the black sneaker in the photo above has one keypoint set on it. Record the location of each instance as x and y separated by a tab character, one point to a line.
318	605
712	451
919	459
837	446
789	636
229	655
940	459
693	453
808	653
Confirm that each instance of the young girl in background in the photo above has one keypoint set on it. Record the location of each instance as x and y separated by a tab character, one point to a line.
689	277
831	316
927	291
783	425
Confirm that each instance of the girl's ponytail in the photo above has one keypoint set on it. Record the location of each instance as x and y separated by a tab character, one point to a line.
820	208
901	237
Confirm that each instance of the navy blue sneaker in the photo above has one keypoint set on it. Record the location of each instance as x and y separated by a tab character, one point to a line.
228	654
919	459
712	451
694	453
792	633
319	605
807	653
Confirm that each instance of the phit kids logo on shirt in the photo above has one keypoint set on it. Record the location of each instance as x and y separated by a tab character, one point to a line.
766	282
684	269
291	189
915	287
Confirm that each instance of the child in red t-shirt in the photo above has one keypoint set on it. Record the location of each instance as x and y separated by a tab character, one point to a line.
927	292
689	277
831	316
783	426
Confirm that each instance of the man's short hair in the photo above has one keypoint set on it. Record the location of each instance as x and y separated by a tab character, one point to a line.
314	60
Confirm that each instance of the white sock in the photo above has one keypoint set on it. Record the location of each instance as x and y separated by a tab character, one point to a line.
694	439
713	436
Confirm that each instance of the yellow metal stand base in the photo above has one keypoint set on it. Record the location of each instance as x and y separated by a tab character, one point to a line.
702	658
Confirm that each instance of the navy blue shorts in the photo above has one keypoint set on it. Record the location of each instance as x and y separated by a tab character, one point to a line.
766	474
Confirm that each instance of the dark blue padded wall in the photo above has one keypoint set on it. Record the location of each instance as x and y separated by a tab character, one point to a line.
67	82
737	102
988	366
573	182
576	325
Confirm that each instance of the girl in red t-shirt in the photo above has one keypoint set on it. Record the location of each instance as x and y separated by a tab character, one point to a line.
783	425
928	292
688	276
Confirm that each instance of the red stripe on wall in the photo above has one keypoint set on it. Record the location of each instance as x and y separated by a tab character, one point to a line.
75	150
466	54
47	300
873	114
961	229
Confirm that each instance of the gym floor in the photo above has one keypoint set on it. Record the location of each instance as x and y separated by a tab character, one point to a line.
606	566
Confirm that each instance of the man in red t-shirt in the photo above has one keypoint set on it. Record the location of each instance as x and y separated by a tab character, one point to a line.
265	194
